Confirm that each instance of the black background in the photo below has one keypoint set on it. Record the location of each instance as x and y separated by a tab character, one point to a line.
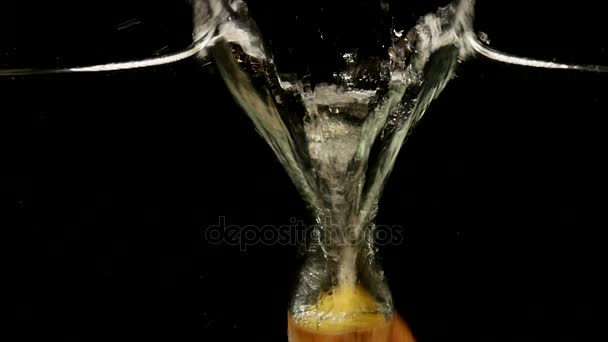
111	180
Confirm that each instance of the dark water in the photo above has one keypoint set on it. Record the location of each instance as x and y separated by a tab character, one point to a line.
112	178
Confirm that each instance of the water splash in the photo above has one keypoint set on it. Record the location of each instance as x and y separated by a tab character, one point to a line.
324	133
338	140
194	49
498	56
212	22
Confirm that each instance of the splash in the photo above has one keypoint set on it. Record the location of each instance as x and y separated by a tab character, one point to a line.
212	23
338	138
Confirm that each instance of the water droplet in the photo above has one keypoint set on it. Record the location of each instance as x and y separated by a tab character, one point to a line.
484	38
